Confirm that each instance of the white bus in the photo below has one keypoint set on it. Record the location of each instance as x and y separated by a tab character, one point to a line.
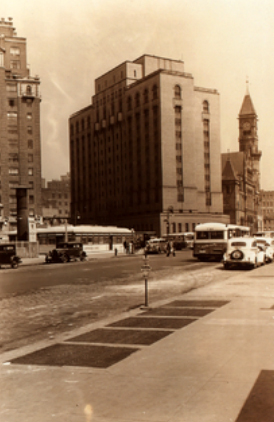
210	240
181	240
265	233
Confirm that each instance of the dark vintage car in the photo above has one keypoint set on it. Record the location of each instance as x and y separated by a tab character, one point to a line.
8	255
65	252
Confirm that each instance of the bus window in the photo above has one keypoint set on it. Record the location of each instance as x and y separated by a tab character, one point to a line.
202	235
216	234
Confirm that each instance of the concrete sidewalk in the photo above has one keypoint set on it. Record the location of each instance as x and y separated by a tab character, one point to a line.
203	372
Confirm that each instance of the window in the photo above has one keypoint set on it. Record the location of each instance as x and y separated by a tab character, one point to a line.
177	92
30	143
31	199
29	129
13	171
146	96
29	90
13	157
15	51
30	171
137	99
155	92
29	116
12	114
15	64
205	107
30	158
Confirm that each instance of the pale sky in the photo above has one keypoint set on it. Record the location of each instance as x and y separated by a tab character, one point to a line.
222	42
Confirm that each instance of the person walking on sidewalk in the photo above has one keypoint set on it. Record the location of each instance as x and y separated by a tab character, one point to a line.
170	249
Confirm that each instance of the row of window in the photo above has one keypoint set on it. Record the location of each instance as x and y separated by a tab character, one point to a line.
13	129
14	157
14	171
13	114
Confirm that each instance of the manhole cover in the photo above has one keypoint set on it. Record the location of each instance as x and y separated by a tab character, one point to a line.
171	323
259	405
178	312
76	355
111	335
199	303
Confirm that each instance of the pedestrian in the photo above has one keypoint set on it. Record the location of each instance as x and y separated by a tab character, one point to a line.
125	246
172	249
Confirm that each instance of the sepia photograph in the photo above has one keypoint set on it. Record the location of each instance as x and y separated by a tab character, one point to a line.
136	211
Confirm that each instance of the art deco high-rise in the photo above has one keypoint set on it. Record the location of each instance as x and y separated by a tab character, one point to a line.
20	152
146	153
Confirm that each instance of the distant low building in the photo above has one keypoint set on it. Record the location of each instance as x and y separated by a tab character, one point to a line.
56	198
267	205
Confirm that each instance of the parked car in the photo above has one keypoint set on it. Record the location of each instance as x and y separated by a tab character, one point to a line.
243	252
65	252
157	245
267	244
8	255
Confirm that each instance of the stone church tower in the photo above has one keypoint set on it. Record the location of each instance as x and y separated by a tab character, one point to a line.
241	171
248	137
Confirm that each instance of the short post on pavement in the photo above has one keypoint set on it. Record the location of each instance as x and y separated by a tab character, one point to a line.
145	268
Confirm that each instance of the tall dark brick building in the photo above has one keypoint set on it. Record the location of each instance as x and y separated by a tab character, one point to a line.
146	152
20	151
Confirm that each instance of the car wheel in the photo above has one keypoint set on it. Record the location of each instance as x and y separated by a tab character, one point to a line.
14	263
83	257
64	258
226	266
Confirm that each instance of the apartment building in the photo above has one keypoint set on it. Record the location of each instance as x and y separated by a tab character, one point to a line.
145	154
20	150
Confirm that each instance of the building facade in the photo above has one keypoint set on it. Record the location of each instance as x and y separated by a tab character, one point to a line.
241	172
20	150
267	206
56	198
146	153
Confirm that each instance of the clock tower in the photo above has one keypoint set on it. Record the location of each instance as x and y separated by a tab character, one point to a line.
248	136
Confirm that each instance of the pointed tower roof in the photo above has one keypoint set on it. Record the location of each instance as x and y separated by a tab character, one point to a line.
247	106
232	165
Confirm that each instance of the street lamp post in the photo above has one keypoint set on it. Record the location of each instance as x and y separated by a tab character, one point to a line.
170	210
